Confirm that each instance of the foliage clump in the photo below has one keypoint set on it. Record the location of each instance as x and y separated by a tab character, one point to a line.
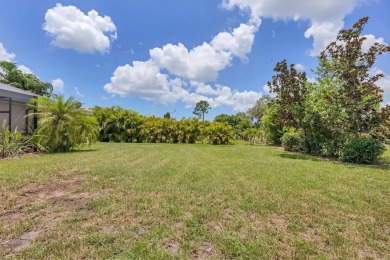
10	74
363	151
14	143
219	133
201	108
291	141
120	125
62	125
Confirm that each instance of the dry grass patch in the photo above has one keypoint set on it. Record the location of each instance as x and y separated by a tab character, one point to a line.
34	210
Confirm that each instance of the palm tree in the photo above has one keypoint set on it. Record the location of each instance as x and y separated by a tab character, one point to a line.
62	124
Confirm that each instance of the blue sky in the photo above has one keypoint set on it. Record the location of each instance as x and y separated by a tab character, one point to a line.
164	56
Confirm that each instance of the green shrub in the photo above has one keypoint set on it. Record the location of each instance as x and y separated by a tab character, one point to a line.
331	148
363	151
219	133
14	143
63	126
273	131
291	141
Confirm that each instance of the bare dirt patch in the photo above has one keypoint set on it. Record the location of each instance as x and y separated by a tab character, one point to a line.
206	251
46	204
278	222
172	247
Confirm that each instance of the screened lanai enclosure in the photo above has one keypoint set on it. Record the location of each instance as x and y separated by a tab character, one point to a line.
14	108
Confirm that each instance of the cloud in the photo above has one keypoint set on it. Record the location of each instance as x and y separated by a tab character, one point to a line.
203	62
326	17
141	79
323	33
78	93
5	55
10	57
145	80
238	43
384	83
300	67
58	85
72	29
239	101
370	40
25	69
175	73
204	89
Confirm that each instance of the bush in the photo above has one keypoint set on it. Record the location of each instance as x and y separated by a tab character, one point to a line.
363	151
14	144
291	141
331	148
219	133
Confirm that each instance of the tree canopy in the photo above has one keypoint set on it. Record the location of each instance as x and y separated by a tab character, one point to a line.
344	103
9	74
201	108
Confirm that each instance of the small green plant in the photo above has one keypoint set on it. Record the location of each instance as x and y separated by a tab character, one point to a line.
14	143
362	151
291	141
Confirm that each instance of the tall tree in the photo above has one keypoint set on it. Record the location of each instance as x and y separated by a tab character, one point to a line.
9	74
201	108
289	85
167	115
346	61
258	110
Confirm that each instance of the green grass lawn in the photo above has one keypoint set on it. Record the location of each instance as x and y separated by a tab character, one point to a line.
161	201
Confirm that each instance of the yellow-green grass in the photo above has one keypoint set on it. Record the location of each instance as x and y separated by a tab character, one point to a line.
163	201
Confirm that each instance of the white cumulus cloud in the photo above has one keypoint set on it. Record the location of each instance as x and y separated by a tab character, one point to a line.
204	89
204	62
326	17
188	70
5	55
145	80
239	42
370	40
141	79
383	83
58	85
72	29
10	57
300	67
240	101
25	69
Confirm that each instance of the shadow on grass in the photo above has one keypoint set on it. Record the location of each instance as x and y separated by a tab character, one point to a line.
384	166
84	150
299	157
75	151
